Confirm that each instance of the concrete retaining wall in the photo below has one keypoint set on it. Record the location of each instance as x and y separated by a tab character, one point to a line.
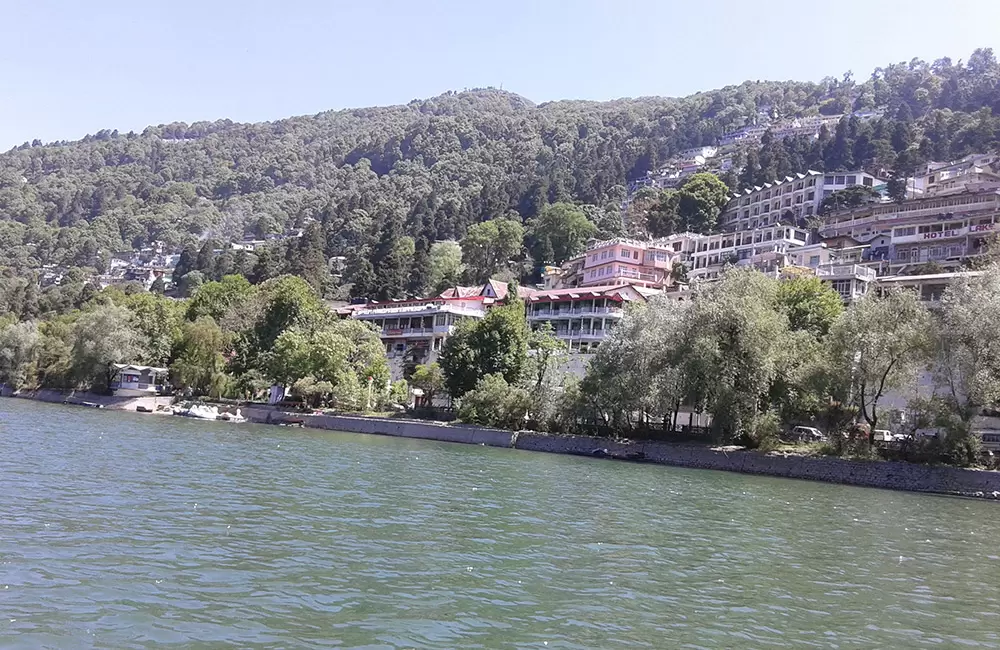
888	475
388	427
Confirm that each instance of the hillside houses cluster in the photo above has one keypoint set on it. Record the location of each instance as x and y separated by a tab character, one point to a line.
143	266
922	243
719	159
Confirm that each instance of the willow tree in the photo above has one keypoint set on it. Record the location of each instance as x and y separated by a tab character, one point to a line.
879	343
966	352
735	344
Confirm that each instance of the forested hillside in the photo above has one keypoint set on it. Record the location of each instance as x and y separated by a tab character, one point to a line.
380	185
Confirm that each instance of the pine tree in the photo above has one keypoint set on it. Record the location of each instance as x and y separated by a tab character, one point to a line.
389	263
186	262
204	261
360	274
417	283
310	258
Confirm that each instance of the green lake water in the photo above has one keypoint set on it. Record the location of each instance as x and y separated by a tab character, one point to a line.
122	530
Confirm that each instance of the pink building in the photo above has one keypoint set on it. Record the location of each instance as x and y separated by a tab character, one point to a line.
628	261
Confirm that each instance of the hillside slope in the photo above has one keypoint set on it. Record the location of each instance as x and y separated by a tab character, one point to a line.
433	167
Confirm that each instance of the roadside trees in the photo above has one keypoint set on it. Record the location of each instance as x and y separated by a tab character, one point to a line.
966	357
497	344
19	345
734	344
878	344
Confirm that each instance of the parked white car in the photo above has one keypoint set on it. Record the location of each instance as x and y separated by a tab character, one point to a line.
807	434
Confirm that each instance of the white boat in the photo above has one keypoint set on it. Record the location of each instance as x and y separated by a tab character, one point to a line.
232	417
200	411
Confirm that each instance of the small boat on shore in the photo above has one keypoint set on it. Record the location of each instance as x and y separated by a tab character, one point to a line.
206	412
232	417
200	411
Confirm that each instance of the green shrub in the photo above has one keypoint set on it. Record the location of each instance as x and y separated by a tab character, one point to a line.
495	403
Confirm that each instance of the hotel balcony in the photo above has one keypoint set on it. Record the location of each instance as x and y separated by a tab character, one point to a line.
407	332
548	314
832	271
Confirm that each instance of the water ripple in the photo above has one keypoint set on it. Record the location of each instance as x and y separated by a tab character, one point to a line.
127	531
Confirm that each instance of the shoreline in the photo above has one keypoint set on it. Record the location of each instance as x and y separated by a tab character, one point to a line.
890	475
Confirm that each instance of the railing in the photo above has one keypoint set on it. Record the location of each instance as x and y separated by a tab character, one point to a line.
407	331
855	270
581	333
582	311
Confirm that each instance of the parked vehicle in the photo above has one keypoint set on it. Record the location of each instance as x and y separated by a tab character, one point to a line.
884	435
807	434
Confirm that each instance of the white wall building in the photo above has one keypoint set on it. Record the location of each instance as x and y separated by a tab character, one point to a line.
791	199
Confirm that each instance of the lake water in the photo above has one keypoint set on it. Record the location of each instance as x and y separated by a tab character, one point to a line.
121	530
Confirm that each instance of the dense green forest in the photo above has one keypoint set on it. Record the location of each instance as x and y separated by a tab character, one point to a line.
379	186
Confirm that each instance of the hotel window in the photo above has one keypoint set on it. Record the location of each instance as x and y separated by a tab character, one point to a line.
828	180
812	182
811	196
635	255
839	180
867	181
852	180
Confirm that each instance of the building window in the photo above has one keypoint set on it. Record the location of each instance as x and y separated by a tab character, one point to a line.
814	261
852	180
839	180
868	181
828	180
812	182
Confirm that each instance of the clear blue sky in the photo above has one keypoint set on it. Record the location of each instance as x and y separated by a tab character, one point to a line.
68	68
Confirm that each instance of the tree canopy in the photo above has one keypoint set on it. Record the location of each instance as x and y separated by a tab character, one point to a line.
350	184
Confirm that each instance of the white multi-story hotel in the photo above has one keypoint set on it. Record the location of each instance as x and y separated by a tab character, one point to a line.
763	248
582	317
945	229
790	200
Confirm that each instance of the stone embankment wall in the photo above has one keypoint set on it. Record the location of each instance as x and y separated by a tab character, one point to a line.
887	475
386	426
893	476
